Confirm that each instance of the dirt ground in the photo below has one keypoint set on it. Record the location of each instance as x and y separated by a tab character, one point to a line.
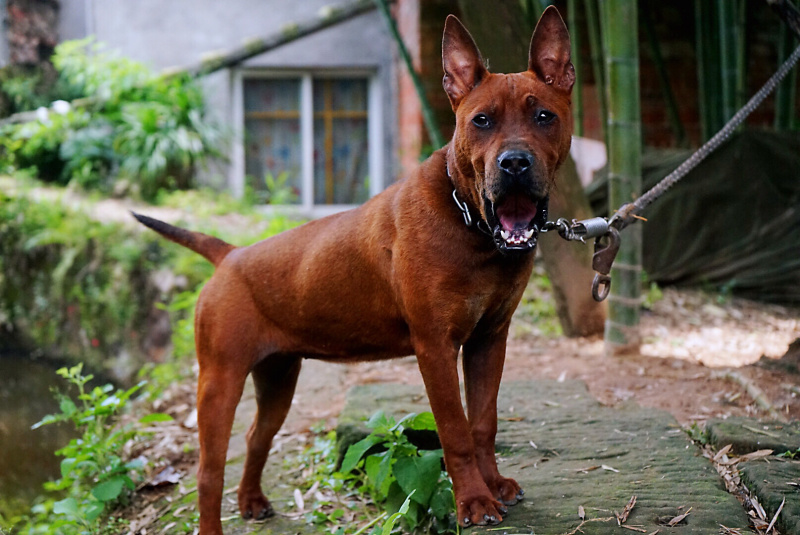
701	357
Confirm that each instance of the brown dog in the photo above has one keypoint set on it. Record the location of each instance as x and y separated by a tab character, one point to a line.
434	264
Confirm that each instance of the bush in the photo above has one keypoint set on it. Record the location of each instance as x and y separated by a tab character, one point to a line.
131	124
72	287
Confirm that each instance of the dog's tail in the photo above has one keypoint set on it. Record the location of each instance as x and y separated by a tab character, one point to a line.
213	249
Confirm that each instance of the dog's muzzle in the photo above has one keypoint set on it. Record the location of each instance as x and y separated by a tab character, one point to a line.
519	209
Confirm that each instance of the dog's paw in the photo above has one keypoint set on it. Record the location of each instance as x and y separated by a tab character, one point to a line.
480	511
255	507
506	490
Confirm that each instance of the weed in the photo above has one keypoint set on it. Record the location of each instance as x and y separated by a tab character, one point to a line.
392	470
384	469
698	434
94	473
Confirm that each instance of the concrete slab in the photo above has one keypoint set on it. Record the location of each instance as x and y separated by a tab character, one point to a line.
568	451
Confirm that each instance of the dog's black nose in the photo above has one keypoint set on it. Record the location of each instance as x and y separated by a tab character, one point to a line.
515	162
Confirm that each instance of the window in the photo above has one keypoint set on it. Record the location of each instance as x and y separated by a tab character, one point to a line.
315	136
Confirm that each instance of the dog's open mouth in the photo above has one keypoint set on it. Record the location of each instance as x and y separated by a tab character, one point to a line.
515	221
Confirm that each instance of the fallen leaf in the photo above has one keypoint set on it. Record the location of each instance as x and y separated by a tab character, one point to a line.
587	470
581	513
634	528
609	468
721	453
167	476
298	500
760	454
626	511
680	518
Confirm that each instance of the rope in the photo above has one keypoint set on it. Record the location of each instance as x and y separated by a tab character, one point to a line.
626	214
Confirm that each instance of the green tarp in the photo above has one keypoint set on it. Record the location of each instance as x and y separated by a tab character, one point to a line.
733	222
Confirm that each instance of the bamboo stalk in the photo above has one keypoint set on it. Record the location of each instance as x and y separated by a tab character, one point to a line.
663	79
596	45
577	90
708	73
785	93
428	116
620	40
729	52
741	54
702	74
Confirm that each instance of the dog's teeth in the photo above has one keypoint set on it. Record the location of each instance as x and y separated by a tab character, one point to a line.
505	234
528	234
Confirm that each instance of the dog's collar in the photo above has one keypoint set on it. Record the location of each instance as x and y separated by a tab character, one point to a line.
464	208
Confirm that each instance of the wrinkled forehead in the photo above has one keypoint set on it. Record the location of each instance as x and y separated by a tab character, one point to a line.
498	93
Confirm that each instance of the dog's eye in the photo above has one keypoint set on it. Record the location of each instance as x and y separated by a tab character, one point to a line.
482	121
545	117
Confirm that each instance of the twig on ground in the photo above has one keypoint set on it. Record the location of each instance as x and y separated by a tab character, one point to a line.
758	395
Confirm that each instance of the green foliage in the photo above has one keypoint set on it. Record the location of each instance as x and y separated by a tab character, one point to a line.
698	434
278	191
67	282
537	309
392	469
652	292
95	477
134	125
24	87
205	202
384	469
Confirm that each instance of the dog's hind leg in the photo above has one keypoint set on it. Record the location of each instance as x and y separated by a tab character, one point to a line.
219	390
275	379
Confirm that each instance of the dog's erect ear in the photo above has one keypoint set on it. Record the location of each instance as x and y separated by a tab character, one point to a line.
550	51
461	60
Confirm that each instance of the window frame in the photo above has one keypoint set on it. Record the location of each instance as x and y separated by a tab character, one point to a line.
375	134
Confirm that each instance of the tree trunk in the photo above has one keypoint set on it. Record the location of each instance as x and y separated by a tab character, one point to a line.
569	263
503	36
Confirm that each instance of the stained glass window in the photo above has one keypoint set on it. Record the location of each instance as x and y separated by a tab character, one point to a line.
272	135
273	139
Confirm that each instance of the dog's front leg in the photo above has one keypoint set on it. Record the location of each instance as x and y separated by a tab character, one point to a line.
474	501
484	356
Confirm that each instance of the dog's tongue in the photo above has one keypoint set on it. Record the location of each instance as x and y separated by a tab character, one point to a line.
516	213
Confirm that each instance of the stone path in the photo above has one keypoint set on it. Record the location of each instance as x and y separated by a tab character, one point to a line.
585	455
773	479
568	452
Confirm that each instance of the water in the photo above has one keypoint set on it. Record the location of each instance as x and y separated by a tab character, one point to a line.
27	456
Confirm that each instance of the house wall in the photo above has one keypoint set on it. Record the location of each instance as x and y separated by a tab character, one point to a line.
178	33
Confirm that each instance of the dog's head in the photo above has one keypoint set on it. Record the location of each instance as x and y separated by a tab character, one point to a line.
512	132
